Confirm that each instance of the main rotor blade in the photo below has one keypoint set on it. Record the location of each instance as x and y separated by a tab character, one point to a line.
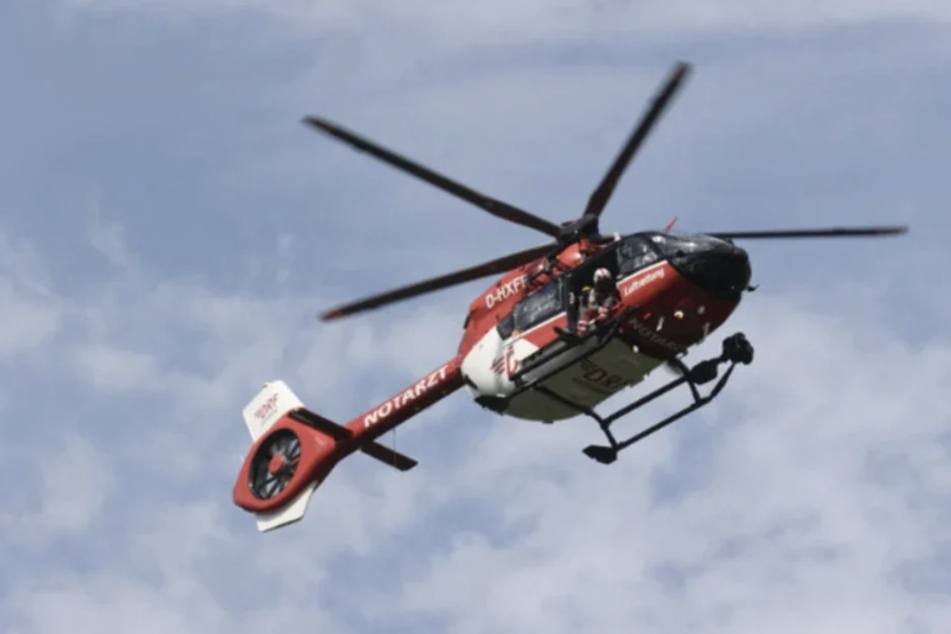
833	232
498	266
601	195
491	205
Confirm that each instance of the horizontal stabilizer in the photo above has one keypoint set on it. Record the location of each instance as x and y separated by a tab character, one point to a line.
389	456
321	424
340	433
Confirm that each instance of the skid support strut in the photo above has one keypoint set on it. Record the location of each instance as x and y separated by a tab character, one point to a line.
736	349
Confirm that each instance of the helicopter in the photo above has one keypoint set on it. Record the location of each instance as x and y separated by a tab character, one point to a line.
529	349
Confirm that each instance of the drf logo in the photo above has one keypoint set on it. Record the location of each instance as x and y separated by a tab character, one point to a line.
265	410
507	364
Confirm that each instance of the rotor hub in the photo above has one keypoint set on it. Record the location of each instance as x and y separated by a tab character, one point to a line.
277	464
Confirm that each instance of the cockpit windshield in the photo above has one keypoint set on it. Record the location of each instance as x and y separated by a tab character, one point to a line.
673	245
635	252
709	262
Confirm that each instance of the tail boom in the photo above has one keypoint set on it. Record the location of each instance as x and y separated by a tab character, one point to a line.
396	410
343	435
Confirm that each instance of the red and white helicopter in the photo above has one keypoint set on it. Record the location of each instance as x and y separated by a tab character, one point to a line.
522	352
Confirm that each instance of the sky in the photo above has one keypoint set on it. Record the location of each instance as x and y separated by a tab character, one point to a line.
169	231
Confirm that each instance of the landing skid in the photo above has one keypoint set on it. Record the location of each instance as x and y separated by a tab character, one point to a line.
736	349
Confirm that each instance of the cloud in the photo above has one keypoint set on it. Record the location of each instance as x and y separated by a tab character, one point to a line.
106	239
535	20
70	483
142	426
31	314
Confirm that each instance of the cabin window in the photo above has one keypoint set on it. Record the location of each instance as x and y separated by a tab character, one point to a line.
541	305
634	253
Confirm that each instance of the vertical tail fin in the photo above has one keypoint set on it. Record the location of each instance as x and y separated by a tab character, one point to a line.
273	401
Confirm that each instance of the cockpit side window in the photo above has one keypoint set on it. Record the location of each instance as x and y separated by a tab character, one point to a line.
506	326
634	253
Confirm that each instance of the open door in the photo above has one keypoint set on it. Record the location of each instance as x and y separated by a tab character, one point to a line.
530	327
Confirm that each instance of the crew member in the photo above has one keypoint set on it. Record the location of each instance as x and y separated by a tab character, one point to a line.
600	300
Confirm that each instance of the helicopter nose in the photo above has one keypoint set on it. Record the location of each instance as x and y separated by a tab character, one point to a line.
723	269
730	271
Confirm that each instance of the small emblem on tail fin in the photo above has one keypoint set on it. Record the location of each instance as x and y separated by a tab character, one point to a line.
273	401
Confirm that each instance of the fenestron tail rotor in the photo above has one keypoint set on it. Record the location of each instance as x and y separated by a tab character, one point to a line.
274	464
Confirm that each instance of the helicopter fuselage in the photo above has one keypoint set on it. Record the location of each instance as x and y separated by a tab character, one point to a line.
674	292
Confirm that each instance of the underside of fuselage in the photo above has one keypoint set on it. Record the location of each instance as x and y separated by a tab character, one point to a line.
518	379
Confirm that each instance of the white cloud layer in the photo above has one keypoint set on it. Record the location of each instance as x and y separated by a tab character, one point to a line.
811	497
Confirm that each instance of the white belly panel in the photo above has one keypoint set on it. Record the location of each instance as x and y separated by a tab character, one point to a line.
586	382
